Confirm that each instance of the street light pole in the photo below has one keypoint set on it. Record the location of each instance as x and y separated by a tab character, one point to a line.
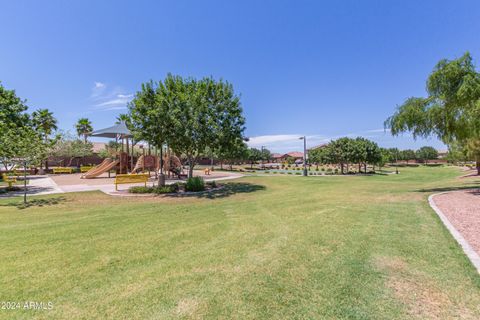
262	151
304	155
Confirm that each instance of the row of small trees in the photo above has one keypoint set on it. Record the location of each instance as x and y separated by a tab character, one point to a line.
346	151
424	154
362	152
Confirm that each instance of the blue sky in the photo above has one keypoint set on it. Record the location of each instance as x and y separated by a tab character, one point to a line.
324	69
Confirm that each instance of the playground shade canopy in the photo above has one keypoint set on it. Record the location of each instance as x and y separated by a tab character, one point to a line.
113	132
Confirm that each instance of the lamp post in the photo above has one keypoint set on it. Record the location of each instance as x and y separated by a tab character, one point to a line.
396	162
304	155
262	150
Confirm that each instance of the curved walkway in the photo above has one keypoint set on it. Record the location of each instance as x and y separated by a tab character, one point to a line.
460	213
41	185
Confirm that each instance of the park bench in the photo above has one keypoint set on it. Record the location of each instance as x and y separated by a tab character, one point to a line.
9	179
62	170
84	169
130	178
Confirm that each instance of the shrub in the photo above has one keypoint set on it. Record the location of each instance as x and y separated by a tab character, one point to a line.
212	184
297	173
289	172
157	190
195	184
140	189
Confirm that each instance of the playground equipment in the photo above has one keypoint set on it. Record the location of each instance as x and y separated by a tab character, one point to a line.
171	164
106	165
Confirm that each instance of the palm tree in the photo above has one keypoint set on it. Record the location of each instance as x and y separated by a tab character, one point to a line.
84	128
123	117
45	123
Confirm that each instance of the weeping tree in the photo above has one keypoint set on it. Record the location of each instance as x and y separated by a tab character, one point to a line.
451	109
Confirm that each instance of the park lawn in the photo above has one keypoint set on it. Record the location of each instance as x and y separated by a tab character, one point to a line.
356	247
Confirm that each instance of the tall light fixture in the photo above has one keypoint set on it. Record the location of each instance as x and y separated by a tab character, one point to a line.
304	155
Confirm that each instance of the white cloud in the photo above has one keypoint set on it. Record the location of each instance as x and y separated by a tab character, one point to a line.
99	85
283	143
119	100
105	99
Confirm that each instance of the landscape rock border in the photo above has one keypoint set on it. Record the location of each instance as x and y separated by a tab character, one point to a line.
471	254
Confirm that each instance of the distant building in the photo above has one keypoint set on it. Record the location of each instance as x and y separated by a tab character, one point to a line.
98	147
294	154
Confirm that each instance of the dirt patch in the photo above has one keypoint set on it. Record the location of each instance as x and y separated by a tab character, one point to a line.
422	297
187	307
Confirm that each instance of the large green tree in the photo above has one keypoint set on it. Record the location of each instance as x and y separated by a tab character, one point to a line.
18	139
451	109
190	116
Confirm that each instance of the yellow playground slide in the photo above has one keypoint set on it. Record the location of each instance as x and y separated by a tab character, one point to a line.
105	166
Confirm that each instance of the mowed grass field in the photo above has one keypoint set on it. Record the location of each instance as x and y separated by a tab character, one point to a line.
264	248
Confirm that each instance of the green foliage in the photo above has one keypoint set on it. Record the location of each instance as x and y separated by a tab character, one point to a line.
347	150
68	146
195	184
84	128
451	111
407	155
20	135
190	116
173	188
254	155
427	153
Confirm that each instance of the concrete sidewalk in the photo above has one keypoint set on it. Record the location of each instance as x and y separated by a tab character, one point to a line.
42	185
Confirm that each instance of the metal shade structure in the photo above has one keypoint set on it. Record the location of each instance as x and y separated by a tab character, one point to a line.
115	131
118	131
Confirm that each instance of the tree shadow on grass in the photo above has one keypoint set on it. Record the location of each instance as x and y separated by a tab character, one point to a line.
34	203
226	190
474	188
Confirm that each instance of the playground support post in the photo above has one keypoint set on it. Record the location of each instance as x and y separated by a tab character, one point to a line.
161	176
25	182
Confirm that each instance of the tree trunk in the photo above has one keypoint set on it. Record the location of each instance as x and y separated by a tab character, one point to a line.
341	168
478	165
359	167
190	167
365	166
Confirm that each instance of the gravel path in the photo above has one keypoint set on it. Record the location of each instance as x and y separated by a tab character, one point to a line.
462	209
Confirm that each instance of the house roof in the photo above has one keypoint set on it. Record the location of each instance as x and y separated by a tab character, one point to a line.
276	155
294	154
98	146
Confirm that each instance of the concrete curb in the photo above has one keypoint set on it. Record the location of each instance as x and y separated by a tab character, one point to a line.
471	254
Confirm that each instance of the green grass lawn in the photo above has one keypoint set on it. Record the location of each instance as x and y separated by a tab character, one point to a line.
354	247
